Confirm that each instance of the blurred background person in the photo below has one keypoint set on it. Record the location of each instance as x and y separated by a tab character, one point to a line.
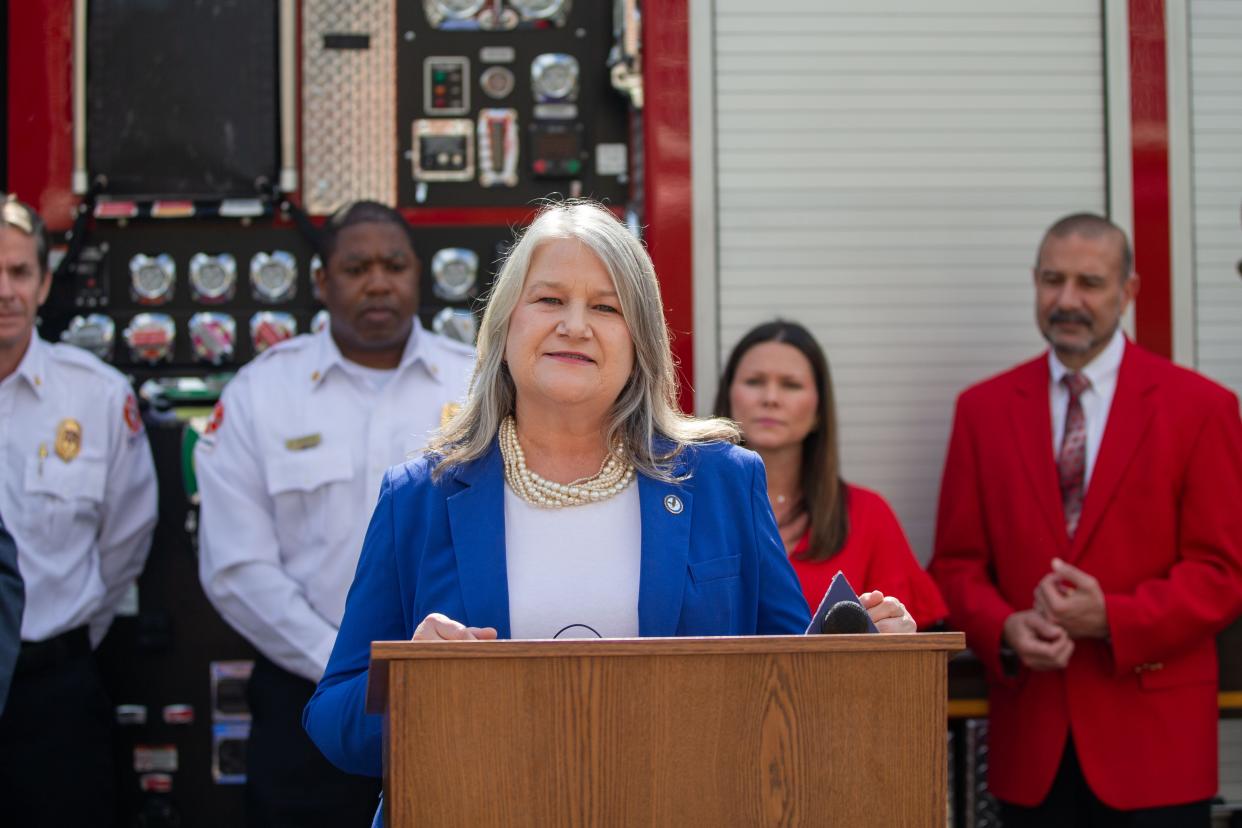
570	496
1089	544
78	495
288	473
778	387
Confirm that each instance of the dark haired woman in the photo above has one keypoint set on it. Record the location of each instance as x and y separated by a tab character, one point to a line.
777	385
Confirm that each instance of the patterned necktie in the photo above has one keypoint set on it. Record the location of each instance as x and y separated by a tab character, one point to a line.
1072	460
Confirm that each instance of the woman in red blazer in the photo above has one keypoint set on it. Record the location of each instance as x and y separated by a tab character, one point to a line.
778	387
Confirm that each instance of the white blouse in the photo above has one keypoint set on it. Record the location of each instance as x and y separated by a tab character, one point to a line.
573	572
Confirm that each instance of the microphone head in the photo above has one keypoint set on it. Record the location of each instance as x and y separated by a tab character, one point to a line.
845	617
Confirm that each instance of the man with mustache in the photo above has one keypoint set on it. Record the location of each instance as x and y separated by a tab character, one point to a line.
289	472
1089	543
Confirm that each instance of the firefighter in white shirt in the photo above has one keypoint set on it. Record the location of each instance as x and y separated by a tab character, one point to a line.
78	494
289	472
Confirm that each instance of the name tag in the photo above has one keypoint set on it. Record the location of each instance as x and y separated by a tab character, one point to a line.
303	443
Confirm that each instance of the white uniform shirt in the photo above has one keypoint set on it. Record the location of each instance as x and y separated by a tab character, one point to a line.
290	474
574	573
1096	400
82	518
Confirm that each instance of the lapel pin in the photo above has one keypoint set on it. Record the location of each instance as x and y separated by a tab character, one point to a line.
673	504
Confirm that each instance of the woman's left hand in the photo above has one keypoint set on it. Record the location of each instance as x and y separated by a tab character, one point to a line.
888	613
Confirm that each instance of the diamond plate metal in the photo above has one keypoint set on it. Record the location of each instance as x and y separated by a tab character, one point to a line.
349	109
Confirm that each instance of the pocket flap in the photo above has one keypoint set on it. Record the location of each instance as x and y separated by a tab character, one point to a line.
714	569
307	470
1197	667
82	477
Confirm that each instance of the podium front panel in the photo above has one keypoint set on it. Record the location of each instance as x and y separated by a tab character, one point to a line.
669	736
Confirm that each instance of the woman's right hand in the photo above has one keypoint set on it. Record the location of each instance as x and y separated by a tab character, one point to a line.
438	627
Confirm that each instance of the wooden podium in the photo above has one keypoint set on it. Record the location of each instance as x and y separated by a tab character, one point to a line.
785	730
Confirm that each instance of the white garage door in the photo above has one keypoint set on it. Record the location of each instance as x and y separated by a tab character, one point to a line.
1216	153
883	172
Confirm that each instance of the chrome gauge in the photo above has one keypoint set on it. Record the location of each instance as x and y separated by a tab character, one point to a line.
213	337
95	333
554	77
274	276
213	279
541	9
438	11
454	271
320	321
152	279
151	337
457	324
270	327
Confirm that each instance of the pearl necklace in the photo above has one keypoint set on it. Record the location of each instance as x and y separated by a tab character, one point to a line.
611	479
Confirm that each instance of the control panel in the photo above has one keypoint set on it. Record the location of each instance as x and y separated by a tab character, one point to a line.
192	298
514	104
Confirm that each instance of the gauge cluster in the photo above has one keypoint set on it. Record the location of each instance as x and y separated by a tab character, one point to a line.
200	297
513	103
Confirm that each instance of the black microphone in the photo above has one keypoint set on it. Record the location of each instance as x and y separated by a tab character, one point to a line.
845	617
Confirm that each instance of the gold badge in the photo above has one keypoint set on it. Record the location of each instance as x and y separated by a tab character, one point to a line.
303	443
68	439
448	412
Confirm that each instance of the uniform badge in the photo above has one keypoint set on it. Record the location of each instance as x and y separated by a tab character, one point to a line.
217	419
303	443
448	413
68	439
133	420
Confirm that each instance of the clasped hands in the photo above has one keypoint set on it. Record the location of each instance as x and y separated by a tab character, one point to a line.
1069	604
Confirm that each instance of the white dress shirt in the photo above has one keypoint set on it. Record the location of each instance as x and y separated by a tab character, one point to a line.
82	517
1096	399
291	472
574	572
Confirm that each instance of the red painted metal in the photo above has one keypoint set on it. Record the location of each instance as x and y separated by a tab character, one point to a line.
40	84
477	216
666	136
1149	131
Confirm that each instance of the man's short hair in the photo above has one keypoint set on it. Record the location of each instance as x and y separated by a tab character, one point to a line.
359	212
1090	226
21	216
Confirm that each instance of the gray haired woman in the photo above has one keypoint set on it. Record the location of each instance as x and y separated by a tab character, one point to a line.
568	497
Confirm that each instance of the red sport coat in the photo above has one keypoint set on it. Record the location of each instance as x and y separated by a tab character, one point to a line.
1161	528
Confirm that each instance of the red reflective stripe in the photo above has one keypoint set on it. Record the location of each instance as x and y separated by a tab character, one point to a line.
1149	136
666	134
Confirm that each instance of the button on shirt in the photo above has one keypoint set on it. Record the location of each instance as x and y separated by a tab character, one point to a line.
1096	399
81	508
290	473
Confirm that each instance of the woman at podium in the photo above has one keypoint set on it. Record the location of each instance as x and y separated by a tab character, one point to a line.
568	497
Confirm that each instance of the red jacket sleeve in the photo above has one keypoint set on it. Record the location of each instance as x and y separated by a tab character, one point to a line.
893	569
962	559
1202	592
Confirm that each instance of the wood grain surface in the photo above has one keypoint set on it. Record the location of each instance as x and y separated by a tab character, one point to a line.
823	730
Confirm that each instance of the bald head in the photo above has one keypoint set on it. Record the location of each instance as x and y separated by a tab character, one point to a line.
1094	227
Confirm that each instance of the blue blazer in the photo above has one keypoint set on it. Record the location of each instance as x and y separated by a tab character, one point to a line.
12	601
716	567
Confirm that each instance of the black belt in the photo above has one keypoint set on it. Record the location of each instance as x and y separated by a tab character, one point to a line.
43	655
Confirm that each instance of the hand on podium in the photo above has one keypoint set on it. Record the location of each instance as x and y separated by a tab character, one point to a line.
889	614
438	627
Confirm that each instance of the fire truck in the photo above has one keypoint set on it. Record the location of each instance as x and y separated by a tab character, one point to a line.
880	170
